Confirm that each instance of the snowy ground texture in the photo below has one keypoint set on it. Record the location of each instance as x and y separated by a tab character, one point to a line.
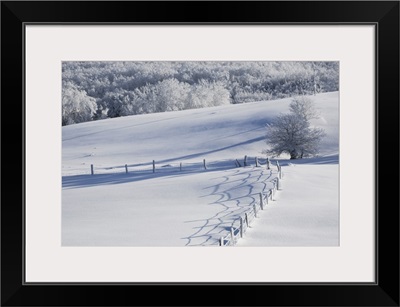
184	204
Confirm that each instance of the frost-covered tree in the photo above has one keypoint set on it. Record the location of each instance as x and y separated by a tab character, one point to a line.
207	94
127	88
303	106
118	103
293	134
171	95
77	107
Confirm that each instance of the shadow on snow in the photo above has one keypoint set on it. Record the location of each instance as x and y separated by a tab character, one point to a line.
330	159
84	181
235	194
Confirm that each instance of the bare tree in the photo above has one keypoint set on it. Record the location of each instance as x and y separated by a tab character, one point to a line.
292	133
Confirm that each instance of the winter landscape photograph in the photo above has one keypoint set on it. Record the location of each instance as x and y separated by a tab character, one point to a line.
211	154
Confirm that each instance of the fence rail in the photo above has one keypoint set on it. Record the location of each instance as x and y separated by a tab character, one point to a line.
169	166
151	167
244	221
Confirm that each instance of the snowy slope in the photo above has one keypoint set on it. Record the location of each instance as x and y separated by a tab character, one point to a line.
172	207
305	212
192	135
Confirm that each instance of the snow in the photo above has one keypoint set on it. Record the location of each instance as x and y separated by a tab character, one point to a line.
164	210
305	212
195	206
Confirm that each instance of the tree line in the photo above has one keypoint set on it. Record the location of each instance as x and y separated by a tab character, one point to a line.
98	90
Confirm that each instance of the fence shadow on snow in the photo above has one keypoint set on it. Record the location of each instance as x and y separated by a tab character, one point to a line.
233	205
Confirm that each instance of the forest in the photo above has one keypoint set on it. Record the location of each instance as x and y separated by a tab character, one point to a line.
99	90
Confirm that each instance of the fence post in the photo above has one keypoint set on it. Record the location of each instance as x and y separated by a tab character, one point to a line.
280	172
241	227
154	166
246	218
204	163
255	210
256	161
277	184
221	241
261	201
268	163
126	168
180	166
277	165
270	193
245	161
91	169
232	237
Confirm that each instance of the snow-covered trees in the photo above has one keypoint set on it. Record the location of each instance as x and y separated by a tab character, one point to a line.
207	94
292	133
76	105
128	88
171	95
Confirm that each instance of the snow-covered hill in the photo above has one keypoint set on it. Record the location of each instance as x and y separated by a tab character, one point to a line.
173	206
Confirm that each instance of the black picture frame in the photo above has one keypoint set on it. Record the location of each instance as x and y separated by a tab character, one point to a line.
383	14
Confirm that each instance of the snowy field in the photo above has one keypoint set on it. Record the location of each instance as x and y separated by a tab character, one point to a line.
184	204
305	212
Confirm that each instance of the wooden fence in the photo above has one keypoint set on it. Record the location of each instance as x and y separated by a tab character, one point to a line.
244	221
154	167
